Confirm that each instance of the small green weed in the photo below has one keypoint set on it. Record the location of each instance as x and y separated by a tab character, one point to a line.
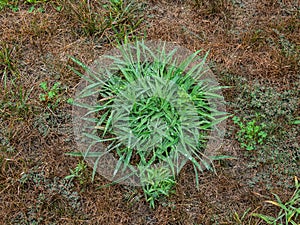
78	173
289	212
3	3
34	5
51	95
49	121
250	134
57	6
5	145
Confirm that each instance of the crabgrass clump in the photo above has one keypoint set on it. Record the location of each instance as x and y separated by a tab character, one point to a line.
153	114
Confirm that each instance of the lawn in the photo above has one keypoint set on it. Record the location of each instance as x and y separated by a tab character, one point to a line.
253	50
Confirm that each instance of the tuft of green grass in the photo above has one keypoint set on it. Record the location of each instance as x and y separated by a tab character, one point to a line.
150	111
117	20
243	219
157	182
122	20
85	15
289	211
78	172
8	66
16	102
3	4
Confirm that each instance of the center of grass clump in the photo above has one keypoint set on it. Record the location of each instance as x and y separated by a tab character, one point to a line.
154	121
157	111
